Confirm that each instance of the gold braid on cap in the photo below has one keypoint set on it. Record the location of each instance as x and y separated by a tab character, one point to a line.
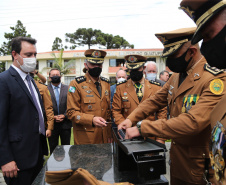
210	11
175	43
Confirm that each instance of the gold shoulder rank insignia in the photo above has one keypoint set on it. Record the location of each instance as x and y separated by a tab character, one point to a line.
156	83
216	86
80	79
121	82
104	79
213	70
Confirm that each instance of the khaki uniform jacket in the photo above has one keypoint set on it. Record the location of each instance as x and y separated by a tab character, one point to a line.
125	100
189	131
83	103
48	105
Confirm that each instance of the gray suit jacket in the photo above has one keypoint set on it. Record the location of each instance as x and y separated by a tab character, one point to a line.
160	81
63	104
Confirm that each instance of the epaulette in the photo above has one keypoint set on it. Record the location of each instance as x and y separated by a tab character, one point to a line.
121	82
104	79
80	79
154	82
213	70
41	83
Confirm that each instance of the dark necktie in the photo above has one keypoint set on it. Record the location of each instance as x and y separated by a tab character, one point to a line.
182	78
138	87
98	88
57	95
41	120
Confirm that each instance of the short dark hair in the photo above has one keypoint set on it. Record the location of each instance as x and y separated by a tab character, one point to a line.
162	73
53	70
16	43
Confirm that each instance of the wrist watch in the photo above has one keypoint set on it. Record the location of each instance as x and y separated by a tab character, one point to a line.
139	126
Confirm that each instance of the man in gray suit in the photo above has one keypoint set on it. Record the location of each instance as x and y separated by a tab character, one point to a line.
62	125
151	72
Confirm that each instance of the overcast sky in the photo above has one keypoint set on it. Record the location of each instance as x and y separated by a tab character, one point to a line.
135	20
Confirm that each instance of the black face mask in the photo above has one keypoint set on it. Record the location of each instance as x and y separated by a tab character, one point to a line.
55	79
32	75
95	72
179	64
136	75
215	50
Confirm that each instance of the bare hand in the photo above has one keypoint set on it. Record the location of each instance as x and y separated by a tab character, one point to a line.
125	124
48	133
132	132
10	169
99	122
160	141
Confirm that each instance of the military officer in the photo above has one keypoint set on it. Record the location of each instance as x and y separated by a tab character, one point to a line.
129	94
191	93
88	102
210	17
46	98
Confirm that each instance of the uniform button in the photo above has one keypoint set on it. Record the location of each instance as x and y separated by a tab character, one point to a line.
174	143
89	101
174	102
204	155
102	109
85	128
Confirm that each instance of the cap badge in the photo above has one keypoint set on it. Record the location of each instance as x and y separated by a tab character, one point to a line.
188	12
132	59
96	54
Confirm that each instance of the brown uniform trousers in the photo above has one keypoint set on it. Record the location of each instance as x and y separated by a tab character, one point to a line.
48	105
125	101
189	131
83	103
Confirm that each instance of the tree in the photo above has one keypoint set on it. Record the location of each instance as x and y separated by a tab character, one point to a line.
57	44
59	63
82	37
90	37
18	30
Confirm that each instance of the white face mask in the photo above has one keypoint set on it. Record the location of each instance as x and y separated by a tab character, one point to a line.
29	64
151	76
121	80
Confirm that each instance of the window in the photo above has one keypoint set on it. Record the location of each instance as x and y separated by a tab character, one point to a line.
152	59
116	62
50	63
68	79
70	65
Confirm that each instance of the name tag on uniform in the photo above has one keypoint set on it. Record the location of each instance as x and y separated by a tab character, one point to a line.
89	95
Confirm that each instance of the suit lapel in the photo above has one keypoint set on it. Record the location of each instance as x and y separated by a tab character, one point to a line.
20	81
131	91
62	89
91	85
52	93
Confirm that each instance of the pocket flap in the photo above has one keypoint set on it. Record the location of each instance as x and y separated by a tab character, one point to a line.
15	138
90	100
126	105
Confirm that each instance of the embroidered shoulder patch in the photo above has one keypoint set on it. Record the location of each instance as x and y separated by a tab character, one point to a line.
213	70
104	79
80	79
71	89
121	82
156	83
216	86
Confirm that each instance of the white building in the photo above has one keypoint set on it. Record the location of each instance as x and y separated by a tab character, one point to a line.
112	62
